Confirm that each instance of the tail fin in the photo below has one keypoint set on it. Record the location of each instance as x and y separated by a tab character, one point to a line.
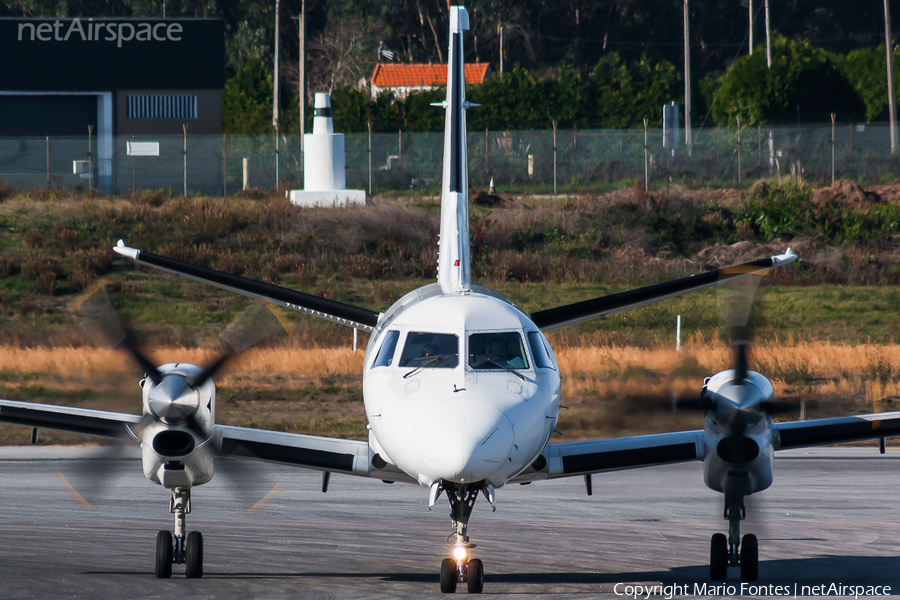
454	268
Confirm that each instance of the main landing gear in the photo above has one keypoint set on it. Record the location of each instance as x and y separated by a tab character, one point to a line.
180	548
460	568
724	553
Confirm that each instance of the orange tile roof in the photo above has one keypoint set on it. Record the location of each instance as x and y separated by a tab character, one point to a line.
396	75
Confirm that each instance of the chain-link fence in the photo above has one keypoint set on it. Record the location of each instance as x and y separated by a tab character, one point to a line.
564	160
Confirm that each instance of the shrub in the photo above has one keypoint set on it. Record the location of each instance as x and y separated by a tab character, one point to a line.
776	208
6	191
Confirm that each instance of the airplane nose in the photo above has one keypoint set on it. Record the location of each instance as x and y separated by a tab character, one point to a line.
464	440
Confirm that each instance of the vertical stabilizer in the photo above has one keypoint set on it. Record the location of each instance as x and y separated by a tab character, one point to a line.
454	269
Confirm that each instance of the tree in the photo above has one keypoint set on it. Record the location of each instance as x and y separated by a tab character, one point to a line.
247	100
625	93
343	53
803	83
866	69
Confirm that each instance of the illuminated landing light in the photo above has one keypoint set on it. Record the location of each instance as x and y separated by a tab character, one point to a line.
459	553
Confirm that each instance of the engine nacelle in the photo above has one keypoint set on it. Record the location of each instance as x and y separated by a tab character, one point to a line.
173	454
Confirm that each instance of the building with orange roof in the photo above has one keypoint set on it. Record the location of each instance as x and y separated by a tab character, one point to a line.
404	78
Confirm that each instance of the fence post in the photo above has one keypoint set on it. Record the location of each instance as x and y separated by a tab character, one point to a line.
133	170
246	169
739	150
399	148
759	144
646	166
184	153
277	178
554	158
486	167
48	161
224	168
90	161
370	158
832	148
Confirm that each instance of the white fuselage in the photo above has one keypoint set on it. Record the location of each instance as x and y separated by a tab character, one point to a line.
466	422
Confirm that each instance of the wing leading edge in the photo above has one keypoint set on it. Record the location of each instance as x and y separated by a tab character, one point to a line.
570	459
571	314
331	310
351	457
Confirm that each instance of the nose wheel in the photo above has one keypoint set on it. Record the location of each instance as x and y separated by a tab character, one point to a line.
179	548
465	570
728	552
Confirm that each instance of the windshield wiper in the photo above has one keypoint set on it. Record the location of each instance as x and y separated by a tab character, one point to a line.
428	360
505	368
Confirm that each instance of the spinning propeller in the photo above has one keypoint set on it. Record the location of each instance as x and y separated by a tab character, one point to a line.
174	397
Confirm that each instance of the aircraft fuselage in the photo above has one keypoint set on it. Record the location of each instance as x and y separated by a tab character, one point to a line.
459	387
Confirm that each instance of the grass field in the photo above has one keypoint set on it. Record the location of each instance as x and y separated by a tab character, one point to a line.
828	324
610	390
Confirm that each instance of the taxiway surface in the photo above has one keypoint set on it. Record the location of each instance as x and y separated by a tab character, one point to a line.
830	517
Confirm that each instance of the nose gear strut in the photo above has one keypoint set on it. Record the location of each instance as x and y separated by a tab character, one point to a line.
460	568
181	548
734	552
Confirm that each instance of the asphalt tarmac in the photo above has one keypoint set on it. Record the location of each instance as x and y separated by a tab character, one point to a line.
832	517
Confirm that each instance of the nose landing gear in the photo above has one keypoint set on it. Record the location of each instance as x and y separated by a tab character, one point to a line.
733	551
179	548
460	568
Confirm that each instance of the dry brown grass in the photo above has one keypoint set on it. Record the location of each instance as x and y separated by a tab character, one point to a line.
610	390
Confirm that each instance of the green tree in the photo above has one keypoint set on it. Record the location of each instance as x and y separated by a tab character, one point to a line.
247	100
803	83
625	93
350	109
866	69
512	100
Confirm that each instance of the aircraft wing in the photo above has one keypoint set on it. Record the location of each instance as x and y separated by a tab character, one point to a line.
335	455
332	310
63	418
351	457
819	432
569	459
571	314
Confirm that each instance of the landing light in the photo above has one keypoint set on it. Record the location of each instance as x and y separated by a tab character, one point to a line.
459	552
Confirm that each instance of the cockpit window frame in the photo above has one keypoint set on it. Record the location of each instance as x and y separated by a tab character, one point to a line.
443	350
543	347
392	338
526	351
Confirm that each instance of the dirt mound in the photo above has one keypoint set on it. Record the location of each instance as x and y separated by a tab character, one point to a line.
846	192
889	192
489	200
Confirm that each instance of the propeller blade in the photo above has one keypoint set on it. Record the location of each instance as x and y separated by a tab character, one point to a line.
100	321
740	361
260	322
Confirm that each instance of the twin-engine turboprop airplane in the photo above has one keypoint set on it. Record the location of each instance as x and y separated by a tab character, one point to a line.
461	391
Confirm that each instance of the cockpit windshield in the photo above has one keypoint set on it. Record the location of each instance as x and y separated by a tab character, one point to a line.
497	350
430	350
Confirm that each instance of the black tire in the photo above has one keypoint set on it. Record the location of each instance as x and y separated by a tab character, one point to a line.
718	557
749	558
448	576
475	577
194	559
164	554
